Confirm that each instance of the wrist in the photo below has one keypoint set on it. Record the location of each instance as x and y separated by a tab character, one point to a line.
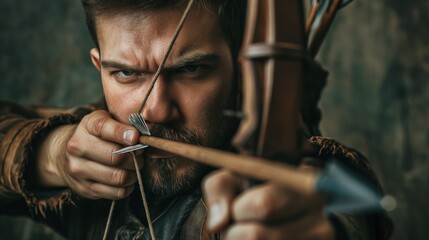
50	156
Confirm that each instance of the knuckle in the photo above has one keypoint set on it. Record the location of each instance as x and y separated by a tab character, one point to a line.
120	177
324	231
264	205
118	132
95	122
215	181
97	126
74	168
90	188
255	232
115	159
73	146
85	191
121	193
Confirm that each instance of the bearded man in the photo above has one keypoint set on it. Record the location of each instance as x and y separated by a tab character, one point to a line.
60	161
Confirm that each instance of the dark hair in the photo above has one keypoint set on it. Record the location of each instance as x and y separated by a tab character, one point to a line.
231	14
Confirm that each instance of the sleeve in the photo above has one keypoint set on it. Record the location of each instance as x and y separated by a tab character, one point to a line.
21	129
356	227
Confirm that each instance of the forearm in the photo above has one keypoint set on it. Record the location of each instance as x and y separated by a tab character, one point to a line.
21	131
16	128
46	173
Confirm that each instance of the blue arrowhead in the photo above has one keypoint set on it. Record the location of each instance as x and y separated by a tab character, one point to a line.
347	192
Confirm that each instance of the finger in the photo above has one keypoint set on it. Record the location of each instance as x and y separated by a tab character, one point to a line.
94	190
87	170
308	227
269	203
220	188
313	225
251	231
102	125
101	151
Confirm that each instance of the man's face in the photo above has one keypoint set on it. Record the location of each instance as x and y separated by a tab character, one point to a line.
187	101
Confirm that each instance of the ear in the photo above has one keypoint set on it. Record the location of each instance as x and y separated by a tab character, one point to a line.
95	58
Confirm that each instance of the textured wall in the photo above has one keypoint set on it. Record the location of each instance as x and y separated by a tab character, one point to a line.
44	53
376	99
44	59
378	96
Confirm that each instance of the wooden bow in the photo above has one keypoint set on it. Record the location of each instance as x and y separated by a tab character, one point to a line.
273	61
275	64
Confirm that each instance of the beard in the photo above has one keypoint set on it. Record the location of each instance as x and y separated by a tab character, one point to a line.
168	177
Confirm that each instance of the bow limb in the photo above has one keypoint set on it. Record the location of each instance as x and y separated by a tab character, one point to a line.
273	61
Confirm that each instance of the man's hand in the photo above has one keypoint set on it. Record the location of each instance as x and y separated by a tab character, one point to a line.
264	211
80	157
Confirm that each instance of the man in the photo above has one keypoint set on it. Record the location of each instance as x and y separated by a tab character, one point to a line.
61	162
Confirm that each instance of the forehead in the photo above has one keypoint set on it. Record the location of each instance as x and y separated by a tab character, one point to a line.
141	38
164	16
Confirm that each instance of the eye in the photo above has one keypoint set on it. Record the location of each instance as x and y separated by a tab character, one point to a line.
126	76
124	73
189	68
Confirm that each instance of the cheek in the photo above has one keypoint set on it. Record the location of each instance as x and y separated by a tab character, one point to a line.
207	103
121	101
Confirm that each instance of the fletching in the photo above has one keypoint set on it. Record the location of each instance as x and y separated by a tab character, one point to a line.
139	123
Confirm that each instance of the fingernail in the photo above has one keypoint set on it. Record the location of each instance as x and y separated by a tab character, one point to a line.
129	136
216	212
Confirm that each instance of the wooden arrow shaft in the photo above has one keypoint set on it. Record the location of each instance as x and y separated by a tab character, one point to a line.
298	181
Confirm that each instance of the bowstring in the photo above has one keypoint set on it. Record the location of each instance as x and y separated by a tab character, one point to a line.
109	220
167	53
144	199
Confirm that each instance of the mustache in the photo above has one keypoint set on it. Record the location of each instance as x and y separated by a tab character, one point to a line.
175	134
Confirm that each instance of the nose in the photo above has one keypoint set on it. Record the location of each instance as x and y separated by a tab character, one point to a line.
160	107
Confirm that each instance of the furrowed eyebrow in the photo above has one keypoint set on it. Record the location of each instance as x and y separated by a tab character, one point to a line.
183	61
118	65
194	58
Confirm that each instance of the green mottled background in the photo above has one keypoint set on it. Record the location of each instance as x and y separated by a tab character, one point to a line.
376	100
45	53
